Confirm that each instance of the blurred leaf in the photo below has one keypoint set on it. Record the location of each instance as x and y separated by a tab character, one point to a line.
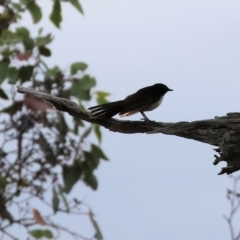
17	6
38	217
37	233
40	30
61	193
86	132
92	162
25	73
92	158
86	82
47	234
3	183
90	180
62	124
12	75
44	51
47	149
6	52
42	41
28	44
98	234
35	11
12	109
81	87
3	95
76	4
101	97
26	2
78	66
23	56
8	37
55	200
81	94
22	32
97	131
3	70
52	72
77	123
98	152
56	15
71	174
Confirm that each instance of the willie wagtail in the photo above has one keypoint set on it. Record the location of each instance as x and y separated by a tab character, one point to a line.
145	99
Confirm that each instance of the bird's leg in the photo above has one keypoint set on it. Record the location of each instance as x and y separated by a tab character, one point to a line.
145	118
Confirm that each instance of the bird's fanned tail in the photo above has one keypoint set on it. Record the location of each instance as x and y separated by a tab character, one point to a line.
107	110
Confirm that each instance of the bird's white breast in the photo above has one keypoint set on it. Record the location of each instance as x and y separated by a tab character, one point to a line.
155	105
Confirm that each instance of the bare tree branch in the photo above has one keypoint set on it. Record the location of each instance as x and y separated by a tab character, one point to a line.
222	132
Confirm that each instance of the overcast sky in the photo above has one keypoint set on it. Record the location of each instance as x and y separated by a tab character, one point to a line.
157	186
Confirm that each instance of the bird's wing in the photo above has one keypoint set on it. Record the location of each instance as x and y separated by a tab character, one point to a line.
135	104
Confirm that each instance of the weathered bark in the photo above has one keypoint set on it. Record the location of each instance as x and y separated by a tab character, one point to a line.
222	132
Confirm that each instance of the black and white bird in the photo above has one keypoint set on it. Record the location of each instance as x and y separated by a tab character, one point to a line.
145	99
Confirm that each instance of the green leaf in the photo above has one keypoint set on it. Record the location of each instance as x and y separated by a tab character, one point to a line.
97	152
17	6
3	95
78	66
35	11
87	82
7	52
9	37
63	93
81	94
44	51
81	87
42	41
17	106
92	158
12	75
55	200
26	2
3	182
25	73
3	70
37	233
91	180
47	234
22	32
77	5
92	161
52	72
101	97
28	44
71	174
56	15
98	133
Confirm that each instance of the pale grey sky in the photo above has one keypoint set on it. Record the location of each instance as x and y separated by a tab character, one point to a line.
157	186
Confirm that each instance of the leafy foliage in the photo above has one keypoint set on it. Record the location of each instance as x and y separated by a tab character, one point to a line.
40	150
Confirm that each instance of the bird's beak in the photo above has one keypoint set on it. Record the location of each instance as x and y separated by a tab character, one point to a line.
170	89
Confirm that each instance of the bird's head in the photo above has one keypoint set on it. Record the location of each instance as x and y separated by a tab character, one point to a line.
162	88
